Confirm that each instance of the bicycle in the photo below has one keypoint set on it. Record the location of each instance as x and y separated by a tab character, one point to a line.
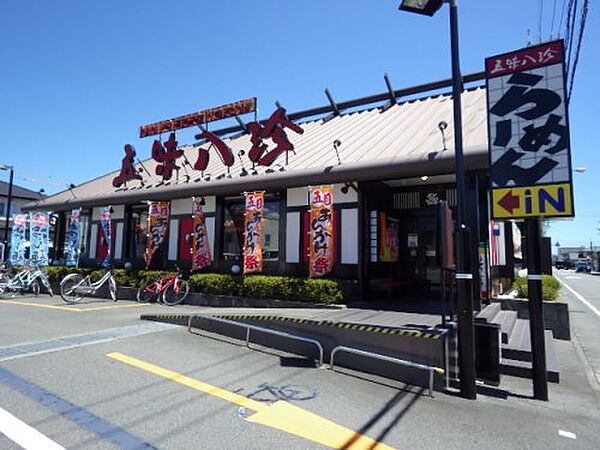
76	286
27	280
169	290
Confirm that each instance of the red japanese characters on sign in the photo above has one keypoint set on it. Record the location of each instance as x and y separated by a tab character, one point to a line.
158	222
274	129
200	117
128	171
253	258
524	59
223	149
166	155
201	256
321	255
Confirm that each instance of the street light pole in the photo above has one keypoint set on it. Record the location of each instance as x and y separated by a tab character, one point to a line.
464	272
8	205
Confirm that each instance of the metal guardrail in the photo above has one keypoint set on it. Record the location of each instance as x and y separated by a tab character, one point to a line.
261	329
341	348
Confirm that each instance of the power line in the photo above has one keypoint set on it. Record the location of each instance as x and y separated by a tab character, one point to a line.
553	16
570	31
584	13
541	9
562	16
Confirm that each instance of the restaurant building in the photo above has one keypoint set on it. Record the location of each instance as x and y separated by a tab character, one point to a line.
389	159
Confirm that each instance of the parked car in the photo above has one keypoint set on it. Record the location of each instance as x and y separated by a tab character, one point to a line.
564	264
583	266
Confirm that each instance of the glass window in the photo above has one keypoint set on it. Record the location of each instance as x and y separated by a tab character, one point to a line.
270	231
139	221
233	232
2	209
85	229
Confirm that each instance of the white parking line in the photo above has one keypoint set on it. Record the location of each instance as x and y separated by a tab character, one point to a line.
581	298
567	434
22	434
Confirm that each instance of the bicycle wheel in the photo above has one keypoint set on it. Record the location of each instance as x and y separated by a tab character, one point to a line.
112	288
147	292
46	284
176	292
69	288
35	288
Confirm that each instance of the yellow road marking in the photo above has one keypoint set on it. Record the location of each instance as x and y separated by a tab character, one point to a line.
280	415
69	308
40	305
101	308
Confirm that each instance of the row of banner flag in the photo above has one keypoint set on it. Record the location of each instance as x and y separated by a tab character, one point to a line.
321	234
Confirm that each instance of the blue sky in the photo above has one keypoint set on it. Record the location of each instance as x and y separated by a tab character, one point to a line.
78	78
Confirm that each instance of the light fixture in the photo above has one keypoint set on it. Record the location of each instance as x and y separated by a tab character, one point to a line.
425	7
580	169
424	178
336	146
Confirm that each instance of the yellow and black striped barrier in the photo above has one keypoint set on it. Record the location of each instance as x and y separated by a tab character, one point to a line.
325	323
342	325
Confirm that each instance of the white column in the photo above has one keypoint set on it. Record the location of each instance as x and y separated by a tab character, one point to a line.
349	236
119	240
93	240
292	237
173	239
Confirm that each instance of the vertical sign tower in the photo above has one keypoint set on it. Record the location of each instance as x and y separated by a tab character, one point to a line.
530	160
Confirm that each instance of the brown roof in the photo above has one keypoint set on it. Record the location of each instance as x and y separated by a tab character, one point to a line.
402	141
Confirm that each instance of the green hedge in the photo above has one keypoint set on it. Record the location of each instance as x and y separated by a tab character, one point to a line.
550	287
255	286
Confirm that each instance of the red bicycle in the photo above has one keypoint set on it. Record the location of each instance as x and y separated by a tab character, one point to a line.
169	290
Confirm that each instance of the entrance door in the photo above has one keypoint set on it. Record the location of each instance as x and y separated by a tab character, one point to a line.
418	252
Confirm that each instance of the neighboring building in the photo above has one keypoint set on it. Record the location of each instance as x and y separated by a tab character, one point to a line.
575	253
397	161
20	197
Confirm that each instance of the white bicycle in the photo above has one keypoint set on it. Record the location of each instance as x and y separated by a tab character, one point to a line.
29	279
76	286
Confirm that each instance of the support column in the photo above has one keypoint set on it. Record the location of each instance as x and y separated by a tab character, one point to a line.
536	312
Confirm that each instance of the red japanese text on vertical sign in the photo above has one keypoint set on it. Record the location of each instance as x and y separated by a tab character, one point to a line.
201	256
158	223
200	117
253	217
321	232
528	125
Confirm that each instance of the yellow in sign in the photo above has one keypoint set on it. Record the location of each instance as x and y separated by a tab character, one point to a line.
551	200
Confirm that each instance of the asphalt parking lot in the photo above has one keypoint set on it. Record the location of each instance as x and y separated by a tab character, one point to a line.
95	376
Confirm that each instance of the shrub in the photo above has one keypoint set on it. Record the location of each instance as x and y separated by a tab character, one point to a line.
321	291
126	277
57	273
264	286
216	283
550	287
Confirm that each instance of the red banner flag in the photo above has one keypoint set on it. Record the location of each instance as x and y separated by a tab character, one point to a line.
321	231
201	248
253	259
158	222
